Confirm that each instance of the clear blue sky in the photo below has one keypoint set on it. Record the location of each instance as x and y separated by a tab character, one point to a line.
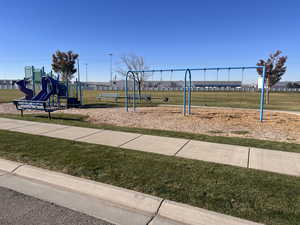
166	32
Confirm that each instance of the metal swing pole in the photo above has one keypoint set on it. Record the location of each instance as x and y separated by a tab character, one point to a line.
190	93
188	71
79	83
33	80
126	91
133	99
184	95
262	95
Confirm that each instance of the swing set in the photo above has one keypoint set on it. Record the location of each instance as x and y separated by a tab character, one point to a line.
187	89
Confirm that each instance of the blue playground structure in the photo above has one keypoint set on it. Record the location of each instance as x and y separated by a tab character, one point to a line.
49	97
27	91
188	84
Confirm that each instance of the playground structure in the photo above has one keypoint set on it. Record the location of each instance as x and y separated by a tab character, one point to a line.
34	76
53	95
187	89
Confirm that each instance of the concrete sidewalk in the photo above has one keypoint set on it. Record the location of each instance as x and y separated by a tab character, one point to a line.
106	202
262	159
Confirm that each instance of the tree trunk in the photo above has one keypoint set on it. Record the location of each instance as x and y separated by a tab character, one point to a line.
268	91
268	96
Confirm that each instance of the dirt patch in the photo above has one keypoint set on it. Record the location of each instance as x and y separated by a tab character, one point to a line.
278	126
8	108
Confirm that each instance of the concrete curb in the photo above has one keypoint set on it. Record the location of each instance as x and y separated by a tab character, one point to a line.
87	204
9	166
158	210
113	194
173	213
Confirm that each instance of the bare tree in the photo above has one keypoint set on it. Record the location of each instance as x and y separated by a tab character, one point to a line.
275	69
132	62
63	63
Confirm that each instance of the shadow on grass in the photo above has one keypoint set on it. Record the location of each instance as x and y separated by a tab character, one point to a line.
101	105
60	117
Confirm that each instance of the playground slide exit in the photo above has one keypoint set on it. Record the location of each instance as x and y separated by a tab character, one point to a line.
22	87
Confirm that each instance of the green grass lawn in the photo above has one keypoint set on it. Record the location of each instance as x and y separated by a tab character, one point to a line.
259	196
79	120
9	95
279	101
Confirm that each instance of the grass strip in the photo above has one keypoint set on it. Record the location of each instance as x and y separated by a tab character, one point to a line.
80	120
250	194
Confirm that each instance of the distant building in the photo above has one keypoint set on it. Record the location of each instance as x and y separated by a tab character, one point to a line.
163	84
284	84
120	84
8	84
179	84
95	85
217	84
280	84
149	84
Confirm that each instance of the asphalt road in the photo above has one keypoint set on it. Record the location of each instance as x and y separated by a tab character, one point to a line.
20	209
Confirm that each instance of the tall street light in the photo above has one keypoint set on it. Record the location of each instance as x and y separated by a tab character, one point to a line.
111	73
86	72
79	81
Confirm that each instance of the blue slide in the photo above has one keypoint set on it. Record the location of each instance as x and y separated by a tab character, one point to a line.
22	87
50	87
44	94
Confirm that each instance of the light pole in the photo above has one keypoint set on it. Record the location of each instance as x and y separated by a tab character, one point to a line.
79	82
86	72
111	73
